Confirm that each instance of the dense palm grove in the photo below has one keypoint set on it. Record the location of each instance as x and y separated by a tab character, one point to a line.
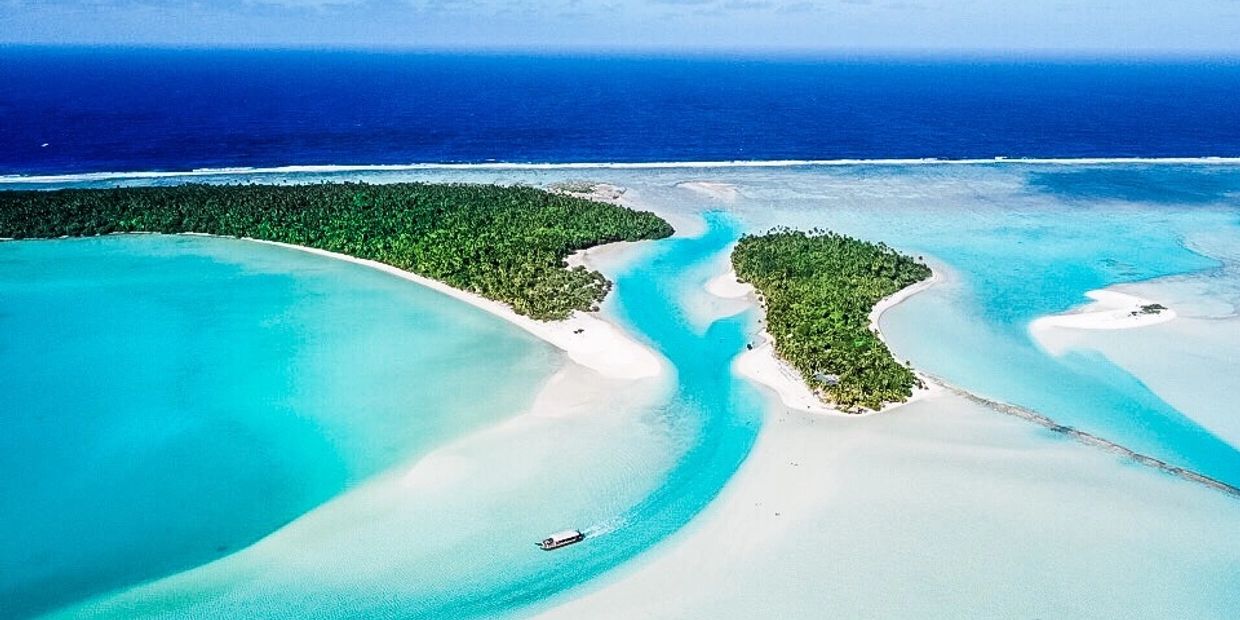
818	289
504	243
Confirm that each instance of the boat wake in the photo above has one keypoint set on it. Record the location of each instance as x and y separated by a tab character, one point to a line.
604	528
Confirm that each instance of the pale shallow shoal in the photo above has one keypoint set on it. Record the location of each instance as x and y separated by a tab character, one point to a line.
1109	310
938	509
718	190
1184	361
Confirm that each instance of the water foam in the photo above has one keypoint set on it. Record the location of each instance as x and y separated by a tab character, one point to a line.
52	179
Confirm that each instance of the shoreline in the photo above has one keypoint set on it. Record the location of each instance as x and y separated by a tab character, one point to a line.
808	501
601	345
1108	310
52	178
785	466
763	366
1106	318
766	498
900	296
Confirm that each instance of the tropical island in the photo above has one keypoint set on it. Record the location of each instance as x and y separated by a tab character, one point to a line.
818	289
508	244
505	243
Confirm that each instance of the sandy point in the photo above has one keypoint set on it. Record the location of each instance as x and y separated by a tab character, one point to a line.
761	364
1109	310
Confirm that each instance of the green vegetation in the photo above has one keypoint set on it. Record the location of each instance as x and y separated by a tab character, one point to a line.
818	289
1148	309
504	243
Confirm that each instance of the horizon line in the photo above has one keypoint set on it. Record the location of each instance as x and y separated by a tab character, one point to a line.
658	51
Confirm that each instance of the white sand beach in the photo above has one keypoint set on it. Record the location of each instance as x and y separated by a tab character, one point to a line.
937	276
1109	310
588	339
944	509
762	364
726	285
1202	339
860	514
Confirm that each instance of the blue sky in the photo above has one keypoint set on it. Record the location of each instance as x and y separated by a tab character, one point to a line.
1090	26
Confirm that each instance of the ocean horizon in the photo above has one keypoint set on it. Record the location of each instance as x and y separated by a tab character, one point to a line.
73	110
207	426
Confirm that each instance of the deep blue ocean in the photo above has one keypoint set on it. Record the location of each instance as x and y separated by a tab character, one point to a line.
71	110
390	450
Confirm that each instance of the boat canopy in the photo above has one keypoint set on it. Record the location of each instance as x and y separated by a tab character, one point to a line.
563	537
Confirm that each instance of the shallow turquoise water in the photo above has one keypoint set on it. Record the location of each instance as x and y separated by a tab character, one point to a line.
1038	254
170	400
1021	241
709	423
694	436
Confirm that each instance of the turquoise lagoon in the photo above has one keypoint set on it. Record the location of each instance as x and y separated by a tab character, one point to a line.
404	533
170	400
443	527
1017	241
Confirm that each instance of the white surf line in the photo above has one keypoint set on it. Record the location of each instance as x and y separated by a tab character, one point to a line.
672	165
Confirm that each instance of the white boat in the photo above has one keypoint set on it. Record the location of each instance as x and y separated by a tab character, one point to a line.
560	539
